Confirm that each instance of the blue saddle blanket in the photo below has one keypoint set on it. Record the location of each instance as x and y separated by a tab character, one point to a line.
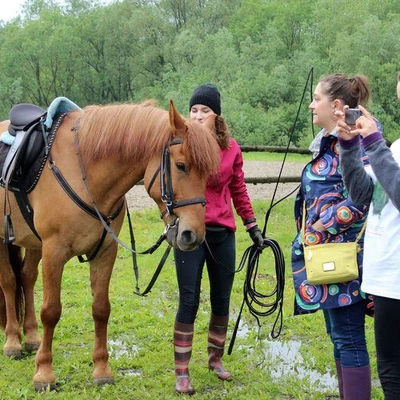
58	105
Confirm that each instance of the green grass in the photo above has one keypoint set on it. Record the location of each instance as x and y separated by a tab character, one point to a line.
264	156
140	333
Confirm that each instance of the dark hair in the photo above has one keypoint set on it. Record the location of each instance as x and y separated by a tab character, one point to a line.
352	91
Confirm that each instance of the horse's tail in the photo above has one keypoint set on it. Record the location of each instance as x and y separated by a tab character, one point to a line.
16	262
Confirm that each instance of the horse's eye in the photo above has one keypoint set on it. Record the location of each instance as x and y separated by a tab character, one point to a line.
181	167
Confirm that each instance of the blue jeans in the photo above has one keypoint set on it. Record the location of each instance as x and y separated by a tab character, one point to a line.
346	328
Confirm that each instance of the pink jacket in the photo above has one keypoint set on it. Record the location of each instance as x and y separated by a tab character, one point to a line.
227	185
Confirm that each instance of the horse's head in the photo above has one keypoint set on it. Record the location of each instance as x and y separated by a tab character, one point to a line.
188	159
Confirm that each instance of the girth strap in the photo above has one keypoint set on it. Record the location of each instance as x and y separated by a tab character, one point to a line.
26	209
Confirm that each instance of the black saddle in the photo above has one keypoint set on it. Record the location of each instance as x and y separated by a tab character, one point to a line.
23	115
30	142
27	125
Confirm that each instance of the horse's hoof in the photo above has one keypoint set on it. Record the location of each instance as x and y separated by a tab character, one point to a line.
104	381
15	354
42	387
32	347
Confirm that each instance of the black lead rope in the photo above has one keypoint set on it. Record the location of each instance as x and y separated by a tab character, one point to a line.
135	263
264	304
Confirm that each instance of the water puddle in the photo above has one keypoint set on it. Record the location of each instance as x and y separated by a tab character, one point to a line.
282	360
119	348
129	372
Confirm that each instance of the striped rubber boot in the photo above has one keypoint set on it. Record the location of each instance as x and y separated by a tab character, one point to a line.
216	343
183	338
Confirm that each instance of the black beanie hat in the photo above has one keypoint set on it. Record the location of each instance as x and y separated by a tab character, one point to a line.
207	95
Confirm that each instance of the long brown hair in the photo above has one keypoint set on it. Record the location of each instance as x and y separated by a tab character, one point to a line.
222	132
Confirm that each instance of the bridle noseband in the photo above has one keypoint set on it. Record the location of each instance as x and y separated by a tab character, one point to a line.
167	193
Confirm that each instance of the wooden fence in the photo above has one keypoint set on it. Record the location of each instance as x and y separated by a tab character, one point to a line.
270	149
273	149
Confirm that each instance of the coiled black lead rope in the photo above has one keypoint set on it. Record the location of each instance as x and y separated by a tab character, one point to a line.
264	304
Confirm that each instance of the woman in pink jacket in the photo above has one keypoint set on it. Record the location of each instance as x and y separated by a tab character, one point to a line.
218	251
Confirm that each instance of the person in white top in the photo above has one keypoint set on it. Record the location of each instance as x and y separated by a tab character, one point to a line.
379	186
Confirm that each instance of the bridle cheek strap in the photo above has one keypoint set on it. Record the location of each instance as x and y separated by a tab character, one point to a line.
167	194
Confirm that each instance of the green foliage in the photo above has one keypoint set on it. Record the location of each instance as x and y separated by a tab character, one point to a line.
258	52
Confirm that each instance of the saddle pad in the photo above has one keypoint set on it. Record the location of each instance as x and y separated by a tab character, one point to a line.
59	105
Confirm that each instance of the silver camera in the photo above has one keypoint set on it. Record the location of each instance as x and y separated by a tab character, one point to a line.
351	115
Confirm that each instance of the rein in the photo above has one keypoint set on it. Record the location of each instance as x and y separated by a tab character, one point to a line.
251	296
93	210
167	197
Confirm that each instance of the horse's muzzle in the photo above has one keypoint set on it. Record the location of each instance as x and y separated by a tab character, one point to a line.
184	239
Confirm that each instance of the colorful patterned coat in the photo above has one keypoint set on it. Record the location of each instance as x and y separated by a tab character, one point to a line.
326	198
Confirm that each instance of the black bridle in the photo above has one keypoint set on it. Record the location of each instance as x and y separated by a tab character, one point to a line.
167	193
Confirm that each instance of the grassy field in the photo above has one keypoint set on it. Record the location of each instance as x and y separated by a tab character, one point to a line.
297	365
264	156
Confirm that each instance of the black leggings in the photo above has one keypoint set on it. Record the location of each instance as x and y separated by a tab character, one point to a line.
387	339
220	266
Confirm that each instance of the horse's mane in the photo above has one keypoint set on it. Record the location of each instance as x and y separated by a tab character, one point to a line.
134	132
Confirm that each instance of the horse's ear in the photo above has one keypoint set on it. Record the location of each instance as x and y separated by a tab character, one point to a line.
176	121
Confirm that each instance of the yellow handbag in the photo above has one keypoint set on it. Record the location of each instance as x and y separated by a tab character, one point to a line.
331	262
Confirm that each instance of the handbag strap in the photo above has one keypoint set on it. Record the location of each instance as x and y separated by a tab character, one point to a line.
303	226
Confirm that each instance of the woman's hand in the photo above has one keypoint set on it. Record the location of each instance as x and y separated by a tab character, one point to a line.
365	125
345	131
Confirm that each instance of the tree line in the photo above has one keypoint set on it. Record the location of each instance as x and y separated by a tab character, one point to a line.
258	52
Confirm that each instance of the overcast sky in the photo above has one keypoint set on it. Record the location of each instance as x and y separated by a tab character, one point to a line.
10	9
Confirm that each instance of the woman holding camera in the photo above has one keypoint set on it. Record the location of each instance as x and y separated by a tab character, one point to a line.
331	216
380	187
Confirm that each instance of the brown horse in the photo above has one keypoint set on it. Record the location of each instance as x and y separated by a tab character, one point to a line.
102	152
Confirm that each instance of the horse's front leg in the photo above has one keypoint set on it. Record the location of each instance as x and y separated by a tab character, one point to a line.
13	299
29	276
100	274
52	269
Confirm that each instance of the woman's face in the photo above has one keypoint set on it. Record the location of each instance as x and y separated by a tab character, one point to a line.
204	115
322	109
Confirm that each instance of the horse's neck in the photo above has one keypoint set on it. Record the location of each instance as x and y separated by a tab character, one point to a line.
112	180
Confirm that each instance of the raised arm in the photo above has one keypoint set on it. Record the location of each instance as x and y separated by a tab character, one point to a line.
383	163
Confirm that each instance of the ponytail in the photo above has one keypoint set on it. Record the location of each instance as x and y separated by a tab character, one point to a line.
352	91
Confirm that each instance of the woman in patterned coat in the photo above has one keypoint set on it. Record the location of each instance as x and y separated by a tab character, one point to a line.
331	216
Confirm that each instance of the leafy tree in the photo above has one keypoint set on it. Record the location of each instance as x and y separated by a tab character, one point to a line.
258	52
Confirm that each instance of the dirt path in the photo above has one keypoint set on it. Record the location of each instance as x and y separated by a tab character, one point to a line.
138	198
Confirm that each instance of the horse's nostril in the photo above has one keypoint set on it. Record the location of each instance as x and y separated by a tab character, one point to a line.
188	237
